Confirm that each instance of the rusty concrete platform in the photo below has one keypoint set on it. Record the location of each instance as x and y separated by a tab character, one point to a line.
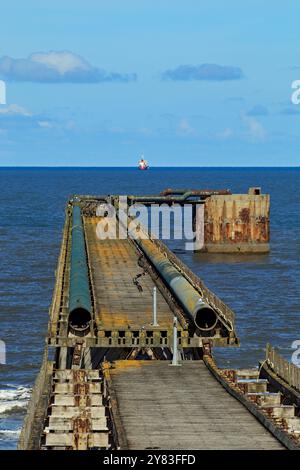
121	284
163	407
119	304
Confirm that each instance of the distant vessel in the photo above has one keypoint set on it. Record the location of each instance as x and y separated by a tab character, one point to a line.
143	164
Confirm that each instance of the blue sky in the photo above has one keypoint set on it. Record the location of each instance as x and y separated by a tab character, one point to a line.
98	83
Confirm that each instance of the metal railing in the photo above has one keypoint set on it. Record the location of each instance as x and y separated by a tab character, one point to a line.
286	370
56	302
225	312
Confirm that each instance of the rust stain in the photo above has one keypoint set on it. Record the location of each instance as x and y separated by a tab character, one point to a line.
244	215
81	425
79	376
236	219
119	303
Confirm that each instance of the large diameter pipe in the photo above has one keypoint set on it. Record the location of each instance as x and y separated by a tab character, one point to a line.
162	199
80	305
203	315
179	195
196	192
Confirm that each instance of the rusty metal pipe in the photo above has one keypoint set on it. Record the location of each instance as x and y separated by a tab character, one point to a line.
196	192
168	201
162	199
202	314
80	305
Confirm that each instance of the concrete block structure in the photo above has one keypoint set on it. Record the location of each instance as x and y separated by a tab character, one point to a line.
237	223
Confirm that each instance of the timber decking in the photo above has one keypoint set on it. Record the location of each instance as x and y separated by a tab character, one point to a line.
119	303
184	407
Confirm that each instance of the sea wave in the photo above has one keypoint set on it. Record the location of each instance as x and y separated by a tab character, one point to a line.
9	434
14	399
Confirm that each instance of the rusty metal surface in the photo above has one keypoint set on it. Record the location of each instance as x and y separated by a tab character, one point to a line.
188	296
119	302
121	291
76	413
224	310
196	192
239	219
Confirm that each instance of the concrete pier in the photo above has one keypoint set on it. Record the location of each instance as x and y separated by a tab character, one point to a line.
105	380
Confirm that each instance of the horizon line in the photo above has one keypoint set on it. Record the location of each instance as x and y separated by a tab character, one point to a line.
152	167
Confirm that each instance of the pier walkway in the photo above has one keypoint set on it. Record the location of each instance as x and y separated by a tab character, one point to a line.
106	381
119	302
165	407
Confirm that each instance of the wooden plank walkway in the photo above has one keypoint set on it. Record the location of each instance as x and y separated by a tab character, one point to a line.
184	407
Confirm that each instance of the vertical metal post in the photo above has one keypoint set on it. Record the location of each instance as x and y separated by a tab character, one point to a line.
154	321
175	347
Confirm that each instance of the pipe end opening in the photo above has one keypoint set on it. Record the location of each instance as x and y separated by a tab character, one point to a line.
206	319
79	321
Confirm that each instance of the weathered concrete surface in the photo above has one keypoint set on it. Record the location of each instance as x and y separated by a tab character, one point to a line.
236	223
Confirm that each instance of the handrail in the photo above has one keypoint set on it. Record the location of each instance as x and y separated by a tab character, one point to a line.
286	370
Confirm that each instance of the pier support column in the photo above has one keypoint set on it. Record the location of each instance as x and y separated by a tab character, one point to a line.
237	223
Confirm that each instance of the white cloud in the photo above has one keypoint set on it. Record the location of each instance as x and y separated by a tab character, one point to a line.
62	62
45	124
255	129
70	125
15	110
225	134
57	67
185	129
146	131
